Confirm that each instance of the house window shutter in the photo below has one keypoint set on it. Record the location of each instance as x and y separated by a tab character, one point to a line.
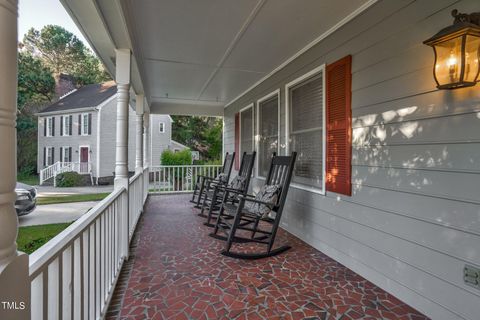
53	126
339	126
237	141
44	127
61	125
70	154
89	123
44	157
53	155
70	124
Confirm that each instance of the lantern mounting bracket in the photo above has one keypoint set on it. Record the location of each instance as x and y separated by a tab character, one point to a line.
473	17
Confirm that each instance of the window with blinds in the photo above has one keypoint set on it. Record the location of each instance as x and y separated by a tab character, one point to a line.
246	130
306	130
267	133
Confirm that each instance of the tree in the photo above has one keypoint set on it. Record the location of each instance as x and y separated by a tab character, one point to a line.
36	87
203	134
62	52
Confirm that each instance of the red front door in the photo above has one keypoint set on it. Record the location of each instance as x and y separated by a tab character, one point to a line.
83	154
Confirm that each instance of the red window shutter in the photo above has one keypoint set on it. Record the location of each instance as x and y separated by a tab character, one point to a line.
339	126
237	141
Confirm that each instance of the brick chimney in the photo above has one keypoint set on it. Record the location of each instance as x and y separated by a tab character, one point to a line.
64	83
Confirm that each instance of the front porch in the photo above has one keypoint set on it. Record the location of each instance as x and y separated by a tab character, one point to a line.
179	273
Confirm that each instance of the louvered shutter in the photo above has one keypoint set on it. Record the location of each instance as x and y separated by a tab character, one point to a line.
70	120
44	157
44	127
53	126
237	141
53	155
339	126
89	123
61	125
70	154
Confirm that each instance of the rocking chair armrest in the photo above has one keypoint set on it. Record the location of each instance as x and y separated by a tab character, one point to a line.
227	189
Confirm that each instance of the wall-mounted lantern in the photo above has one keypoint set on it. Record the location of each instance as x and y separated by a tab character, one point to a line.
457	52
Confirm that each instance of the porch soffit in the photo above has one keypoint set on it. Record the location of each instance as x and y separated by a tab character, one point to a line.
200	55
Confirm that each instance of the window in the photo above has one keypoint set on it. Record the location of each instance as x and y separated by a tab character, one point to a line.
85	124
267	130
50	126
161	127
49	156
66	126
305	109
246	129
66	154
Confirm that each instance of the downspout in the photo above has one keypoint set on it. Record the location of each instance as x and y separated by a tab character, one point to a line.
99	116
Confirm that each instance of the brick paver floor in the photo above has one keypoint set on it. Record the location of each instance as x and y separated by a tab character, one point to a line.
178	273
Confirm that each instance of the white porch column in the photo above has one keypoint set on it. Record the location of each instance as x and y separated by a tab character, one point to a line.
122	78
139	136
14	275
146	139
123	97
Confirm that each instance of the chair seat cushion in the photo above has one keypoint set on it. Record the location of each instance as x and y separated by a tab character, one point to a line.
238	183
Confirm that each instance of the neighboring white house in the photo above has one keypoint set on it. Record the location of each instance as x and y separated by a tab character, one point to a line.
81	128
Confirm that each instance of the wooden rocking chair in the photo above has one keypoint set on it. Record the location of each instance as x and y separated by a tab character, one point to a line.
206	183
214	198
250	211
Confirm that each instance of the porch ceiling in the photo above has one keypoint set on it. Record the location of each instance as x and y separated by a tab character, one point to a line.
200	55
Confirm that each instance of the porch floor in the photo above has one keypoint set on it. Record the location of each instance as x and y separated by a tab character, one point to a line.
178	273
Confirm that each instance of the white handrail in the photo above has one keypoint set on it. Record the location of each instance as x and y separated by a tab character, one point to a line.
74	274
182	178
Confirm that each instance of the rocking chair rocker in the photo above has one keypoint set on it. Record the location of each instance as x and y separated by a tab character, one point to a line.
250	211
205	183
214	198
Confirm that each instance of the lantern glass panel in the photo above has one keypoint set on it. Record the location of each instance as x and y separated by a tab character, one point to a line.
472	55
449	59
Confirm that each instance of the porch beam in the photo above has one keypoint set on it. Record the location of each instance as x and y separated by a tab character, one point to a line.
14	274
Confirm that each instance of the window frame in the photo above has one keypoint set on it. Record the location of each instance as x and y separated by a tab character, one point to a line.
312	73
62	151
64	125
161	127
50	127
49	151
250	106
257	141
83	133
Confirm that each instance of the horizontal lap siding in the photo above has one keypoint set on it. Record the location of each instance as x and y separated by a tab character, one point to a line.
413	220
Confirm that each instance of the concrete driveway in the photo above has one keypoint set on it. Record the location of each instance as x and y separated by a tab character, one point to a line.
56	213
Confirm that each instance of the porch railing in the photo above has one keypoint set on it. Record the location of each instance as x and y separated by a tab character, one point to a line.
73	276
168	179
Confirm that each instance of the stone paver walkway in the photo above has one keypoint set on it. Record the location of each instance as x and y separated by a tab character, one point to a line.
178	273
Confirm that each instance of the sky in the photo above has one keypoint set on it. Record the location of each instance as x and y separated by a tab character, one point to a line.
39	13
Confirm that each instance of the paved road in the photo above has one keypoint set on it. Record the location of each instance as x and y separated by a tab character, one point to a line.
56	213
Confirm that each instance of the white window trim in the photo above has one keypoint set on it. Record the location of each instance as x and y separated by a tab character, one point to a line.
289	85
65	131
257	141
63	153
82	125
250	106
50	132
48	150
160	126
80	152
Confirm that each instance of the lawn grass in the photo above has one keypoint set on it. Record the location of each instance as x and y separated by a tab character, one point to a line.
32	180
72	198
33	237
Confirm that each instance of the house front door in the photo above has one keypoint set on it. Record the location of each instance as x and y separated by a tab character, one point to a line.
83	154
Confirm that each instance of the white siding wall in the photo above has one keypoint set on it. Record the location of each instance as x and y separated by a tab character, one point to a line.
159	141
413	220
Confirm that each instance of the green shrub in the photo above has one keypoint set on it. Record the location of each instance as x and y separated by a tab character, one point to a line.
170	158
69	179
216	162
